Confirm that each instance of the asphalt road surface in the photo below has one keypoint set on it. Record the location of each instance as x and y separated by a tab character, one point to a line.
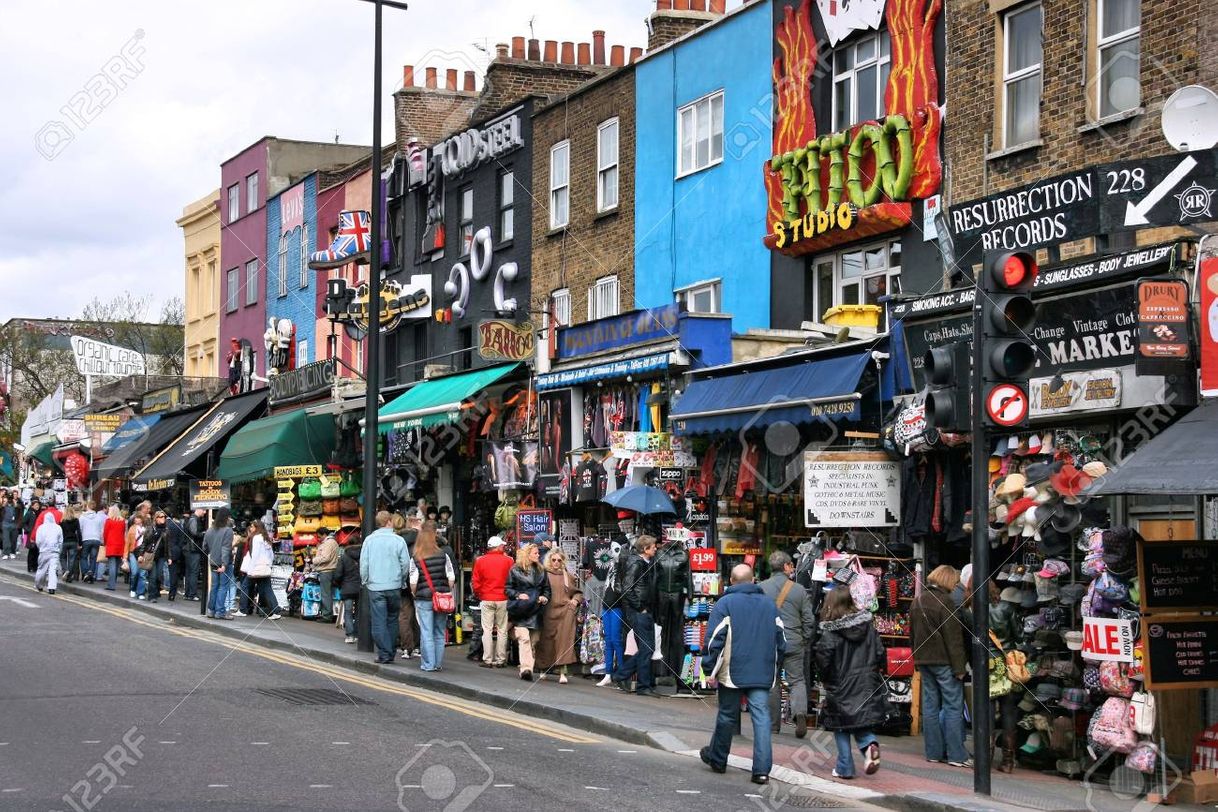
105	708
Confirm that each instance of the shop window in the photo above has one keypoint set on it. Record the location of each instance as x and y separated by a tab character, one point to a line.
251	282
507	205
467	220
302	353
209	288
1022	56
856	276
606	165
465	343
283	265
704	297
700	134
560	184
251	192
304	257
860	76
562	307
233	293
234	202
1118	55
603	299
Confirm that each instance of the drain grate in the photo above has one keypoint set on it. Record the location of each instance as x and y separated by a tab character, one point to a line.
314	696
802	798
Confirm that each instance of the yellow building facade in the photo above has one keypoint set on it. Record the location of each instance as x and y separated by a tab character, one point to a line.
200	224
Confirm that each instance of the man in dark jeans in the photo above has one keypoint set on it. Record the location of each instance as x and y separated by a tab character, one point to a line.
639	611
192	550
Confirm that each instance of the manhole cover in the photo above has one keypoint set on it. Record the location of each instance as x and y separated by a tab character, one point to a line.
777	795
314	696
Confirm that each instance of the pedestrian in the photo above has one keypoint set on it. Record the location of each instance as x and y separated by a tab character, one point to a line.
545	545
849	662
324	562
799	621
639	601
175	549
35	524
92	523
218	544
346	576
238	586
195	527
47	575
408	622
556	647
611	615
431	572
29	524
155	549
114	536
70	556
490	584
528	591
9	526
744	650
259	557
1004	636
383	565
137	579
938	649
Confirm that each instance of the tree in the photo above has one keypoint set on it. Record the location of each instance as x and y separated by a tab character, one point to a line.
162	343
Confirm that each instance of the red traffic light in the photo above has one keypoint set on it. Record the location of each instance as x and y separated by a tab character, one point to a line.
1014	270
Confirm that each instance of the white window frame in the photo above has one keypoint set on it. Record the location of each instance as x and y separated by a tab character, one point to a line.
604	166
687	294
283	265
892	274
304	257
605	290
302	352
465	221
251	192
1009	79
560	190
507	204
251	282
713	159
232	292
562	307
1103	43
212	287
234	202
881	58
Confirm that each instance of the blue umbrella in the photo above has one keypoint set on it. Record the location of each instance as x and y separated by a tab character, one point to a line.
642	499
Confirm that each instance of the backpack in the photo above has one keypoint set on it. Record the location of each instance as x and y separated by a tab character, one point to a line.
1142	713
1114	679
1111	729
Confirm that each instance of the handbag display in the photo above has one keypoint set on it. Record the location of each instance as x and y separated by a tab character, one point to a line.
309	489
1000	683
349	487
331	487
348	505
331	506
1142	712
442	603
1016	662
309	507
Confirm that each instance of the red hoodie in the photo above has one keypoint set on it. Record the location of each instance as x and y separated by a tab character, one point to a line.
491	574
38	522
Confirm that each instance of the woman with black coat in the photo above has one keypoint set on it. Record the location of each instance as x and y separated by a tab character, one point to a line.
346	578
528	591
70	557
849	661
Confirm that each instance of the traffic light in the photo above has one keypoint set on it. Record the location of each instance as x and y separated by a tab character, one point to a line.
948	393
1008	353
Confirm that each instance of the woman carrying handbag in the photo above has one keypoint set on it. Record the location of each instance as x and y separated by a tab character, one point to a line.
431	579
256	566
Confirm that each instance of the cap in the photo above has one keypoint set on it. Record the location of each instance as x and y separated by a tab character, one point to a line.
1028	703
1053	567
1074	640
1071	594
1019	506
625	514
1073	698
1033	745
494	541
1010	595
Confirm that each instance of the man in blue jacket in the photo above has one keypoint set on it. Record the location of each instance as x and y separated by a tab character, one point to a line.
383	565
743	653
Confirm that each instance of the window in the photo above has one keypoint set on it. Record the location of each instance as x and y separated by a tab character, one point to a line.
700	134
234	202
302	353
234	290
507	202
1021	68
562	307
602	299
283	265
560	184
251	192
1119	58
860	76
467	220
704	297
304	257
210	289
856	276
251	282
606	165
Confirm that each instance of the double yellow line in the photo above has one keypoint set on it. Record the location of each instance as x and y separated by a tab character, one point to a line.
336	674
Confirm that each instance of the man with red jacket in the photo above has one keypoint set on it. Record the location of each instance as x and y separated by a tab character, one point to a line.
490	580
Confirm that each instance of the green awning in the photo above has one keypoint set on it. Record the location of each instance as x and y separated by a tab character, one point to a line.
438	401
42	452
291	438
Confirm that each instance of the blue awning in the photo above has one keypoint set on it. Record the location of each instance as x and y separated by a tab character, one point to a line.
596	372
129	432
817	389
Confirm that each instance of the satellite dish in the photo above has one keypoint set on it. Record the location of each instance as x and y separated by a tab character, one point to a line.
1190	118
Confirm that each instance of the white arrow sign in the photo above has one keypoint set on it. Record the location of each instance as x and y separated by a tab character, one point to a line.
1136	215
19	602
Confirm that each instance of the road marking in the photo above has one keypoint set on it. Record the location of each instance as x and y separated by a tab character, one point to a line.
598	789
320	786
494	748
260	744
689	792
217	786
504	786
166	742
13	789
91	741
412	786
424	744
19	602
628	752
2	744
565	750
340	743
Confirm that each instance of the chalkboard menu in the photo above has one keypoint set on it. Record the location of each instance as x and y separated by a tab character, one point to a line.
1178	575
1181	652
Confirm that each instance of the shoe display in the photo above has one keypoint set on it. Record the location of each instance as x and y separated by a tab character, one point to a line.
350	243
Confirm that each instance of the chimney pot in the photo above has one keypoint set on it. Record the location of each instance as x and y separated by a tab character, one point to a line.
431	77
551	51
518	48
680	5
697	5
635	55
408	76
663	5
450	79
534	50
471	82
718	6
584	54
568	53
502	50
617	56
598	47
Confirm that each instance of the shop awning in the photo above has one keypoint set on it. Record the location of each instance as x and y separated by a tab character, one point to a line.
826	388
220	421
42	451
438	401
134	429
1182	460
163	431
291	438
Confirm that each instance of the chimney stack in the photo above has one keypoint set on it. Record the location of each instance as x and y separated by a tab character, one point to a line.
697	5
431	78
598	47
673	19
718	6
471	81
408	76
584	54
635	55
502	50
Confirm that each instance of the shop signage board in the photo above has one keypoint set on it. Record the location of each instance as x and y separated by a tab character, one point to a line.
281	576
704	559
652	449
609	369
161	400
671	475
209	494
851	489
502	340
1207	284
470	149
43	418
617	332
410	301
1181	652
95	357
104	423
72	430
309	381
296	471
1163	336
1177	576
739	546
529	523
1108	639
1080	392
1168	190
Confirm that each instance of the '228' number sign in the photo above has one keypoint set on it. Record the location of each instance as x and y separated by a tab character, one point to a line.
481	254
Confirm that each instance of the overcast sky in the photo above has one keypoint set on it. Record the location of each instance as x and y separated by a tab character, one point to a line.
93	178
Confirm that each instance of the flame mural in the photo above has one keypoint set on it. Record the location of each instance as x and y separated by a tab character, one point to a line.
824	190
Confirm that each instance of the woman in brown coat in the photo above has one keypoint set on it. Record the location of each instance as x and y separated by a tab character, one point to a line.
557	645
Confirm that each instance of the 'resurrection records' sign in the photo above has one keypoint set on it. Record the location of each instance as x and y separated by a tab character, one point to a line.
1079	392
851	489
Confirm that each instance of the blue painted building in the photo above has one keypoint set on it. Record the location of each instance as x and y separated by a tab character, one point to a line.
704	128
291	229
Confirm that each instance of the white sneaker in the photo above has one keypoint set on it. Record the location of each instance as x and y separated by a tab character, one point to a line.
608	680
276	616
239	613
405	654
349	640
132	593
141	598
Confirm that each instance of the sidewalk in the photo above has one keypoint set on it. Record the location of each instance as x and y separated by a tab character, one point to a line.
677	724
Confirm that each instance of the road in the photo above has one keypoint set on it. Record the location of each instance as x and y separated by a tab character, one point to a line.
110	708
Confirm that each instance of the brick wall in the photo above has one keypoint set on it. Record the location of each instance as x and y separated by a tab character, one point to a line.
666	26
508	80
593	245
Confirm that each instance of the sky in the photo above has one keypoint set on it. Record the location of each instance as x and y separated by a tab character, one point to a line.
117	115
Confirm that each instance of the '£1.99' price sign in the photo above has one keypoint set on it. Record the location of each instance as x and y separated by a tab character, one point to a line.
703	559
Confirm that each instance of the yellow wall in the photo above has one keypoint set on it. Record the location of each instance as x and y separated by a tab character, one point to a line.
200	224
